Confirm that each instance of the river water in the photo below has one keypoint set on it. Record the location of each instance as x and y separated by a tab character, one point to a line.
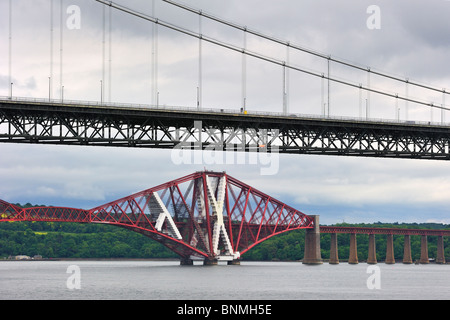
167	280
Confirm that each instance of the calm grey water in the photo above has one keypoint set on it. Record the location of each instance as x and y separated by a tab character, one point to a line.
251	280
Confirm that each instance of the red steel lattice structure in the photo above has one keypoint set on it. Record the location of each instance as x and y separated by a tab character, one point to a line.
208	215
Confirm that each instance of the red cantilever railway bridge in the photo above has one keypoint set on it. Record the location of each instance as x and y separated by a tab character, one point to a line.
206	215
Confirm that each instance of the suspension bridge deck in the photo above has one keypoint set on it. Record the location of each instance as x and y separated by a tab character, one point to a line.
83	123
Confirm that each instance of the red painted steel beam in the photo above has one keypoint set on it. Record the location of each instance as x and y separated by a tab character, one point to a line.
10	212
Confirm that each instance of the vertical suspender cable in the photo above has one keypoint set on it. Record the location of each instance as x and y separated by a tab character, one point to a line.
103	47
397	110
153	57
322	92
61	30
10	83
199	89
431	114
329	58
244	73
406	101
443	106
284	90
360	101
155	100
286	83
368	95
157	62
51	52
110	55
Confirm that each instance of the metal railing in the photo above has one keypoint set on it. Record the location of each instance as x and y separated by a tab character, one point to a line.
139	106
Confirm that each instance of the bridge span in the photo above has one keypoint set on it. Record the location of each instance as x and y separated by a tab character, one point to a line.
213	217
389	233
40	121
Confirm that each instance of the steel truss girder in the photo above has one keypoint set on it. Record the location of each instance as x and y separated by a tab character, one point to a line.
209	215
10	212
26	122
385	231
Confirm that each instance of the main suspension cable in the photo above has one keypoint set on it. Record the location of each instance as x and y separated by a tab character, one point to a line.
301	48
260	56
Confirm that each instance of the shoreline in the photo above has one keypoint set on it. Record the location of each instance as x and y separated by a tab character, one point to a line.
92	259
325	261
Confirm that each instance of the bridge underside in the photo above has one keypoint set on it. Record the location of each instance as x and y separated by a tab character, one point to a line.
78	124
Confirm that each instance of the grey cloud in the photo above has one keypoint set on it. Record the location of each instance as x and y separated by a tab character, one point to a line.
412	41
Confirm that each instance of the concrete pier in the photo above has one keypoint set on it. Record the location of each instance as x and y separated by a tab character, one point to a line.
372	258
424	250
353	256
334	257
407	250
390	249
312	244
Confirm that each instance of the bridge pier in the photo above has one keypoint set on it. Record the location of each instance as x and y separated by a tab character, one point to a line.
440	258
210	262
235	262
312	244
372	258
353	256
186	262
390	253
334	258
407	250
390	259
424	250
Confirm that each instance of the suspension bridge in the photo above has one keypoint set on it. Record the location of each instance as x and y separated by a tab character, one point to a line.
105	123
217	217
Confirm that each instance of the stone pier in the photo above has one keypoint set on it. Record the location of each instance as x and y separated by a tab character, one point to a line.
186	262
407	250
372	258
440	258
334	257
312	244
210	262
353	256
390	249
424	250
372	255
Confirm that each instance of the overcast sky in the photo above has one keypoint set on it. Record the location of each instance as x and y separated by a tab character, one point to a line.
405	38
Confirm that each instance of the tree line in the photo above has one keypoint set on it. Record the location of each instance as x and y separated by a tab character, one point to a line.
75	240
78	240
